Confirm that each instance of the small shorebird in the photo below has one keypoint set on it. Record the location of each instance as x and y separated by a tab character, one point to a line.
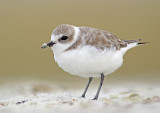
88	52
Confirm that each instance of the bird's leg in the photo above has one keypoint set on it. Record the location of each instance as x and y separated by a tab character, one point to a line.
100	85
84	93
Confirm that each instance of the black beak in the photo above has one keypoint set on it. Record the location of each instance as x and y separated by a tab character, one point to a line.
50	44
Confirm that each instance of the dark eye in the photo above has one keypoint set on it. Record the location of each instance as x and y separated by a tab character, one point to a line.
64	37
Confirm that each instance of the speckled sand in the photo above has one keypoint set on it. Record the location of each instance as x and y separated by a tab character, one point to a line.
51	98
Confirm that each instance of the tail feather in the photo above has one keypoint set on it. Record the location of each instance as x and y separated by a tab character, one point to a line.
133	41
141	43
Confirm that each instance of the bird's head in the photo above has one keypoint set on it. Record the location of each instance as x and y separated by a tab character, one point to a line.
62	37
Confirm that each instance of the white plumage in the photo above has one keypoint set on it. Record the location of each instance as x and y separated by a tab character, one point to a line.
88	61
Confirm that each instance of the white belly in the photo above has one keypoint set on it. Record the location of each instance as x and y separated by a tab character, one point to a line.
89	62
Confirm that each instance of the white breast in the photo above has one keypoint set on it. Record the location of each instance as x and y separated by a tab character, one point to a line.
89	62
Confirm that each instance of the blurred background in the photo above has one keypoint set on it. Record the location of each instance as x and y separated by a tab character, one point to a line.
26	24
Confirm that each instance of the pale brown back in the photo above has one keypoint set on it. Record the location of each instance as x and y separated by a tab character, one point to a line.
100	39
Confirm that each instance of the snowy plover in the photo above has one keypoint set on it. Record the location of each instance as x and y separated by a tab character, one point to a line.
88	52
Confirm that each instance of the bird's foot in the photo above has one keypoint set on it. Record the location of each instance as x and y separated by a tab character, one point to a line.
95	98
83	96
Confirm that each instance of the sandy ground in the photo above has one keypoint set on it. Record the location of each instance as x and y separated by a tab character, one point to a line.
31	97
